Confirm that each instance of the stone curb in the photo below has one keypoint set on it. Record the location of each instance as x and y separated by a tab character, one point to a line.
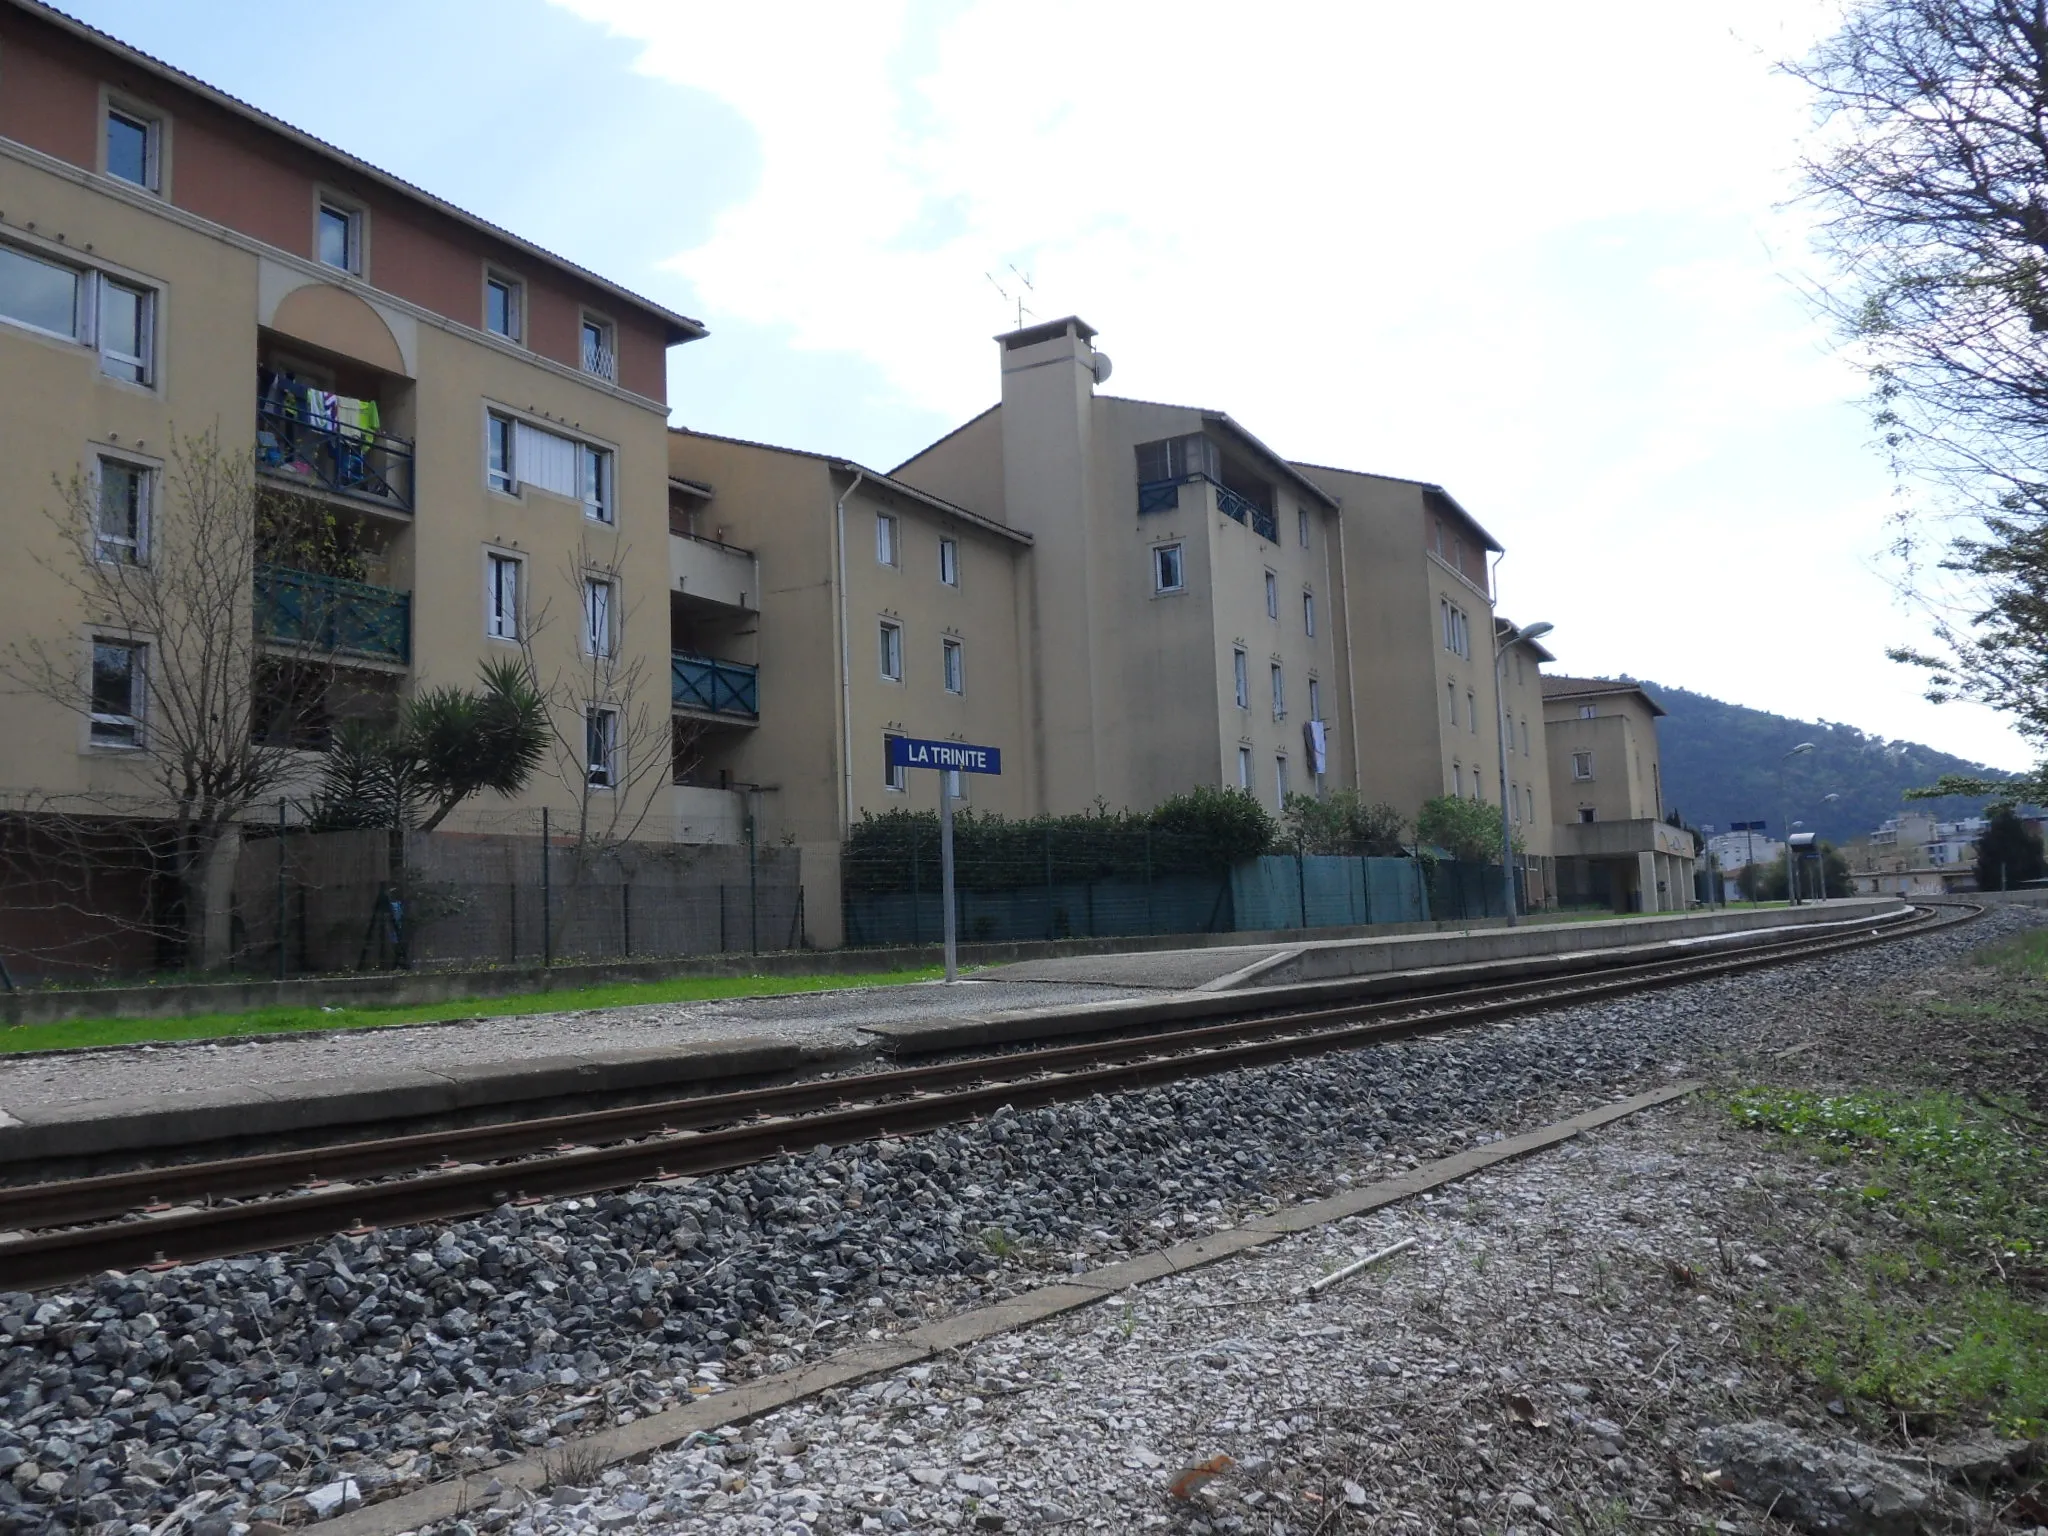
658	1432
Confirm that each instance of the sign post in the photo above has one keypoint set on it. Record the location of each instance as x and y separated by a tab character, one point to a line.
949	758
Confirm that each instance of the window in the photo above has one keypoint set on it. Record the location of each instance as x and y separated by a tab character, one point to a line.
1515	802
1315	699
949	562
1589	711
1507	725
1244	768
1586	813
126	322
340	237
40	294
895	776
1472	711
501	306
1478	786
501	596
600	633
1582	765
1272	596
596	465
1458	780
892	651
1525	735
1169	574
120	532
598	356
117	669
601	747
1451	699
1457	628
1279	693
1529	802
953	663
134	148
1308	613
1301	525
1280	781
885	539
499	462
1241	674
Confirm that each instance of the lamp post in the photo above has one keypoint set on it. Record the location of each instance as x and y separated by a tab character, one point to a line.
1500	739
1785	818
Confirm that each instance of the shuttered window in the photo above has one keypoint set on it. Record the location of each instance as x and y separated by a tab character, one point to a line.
547	462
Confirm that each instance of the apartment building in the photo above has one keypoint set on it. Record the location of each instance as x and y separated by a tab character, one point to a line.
1528	759
1183	609
1612	845
820	608
1917	855
434	406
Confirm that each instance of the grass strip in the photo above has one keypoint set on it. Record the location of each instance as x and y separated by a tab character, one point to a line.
73	1034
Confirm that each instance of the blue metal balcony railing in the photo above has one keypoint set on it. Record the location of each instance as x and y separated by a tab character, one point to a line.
714	686
1164	496
329	615
1158	496
353	461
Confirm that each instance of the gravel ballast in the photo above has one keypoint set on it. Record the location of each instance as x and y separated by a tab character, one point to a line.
287	1385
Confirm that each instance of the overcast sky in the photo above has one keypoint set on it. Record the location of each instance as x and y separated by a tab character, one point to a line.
1540	254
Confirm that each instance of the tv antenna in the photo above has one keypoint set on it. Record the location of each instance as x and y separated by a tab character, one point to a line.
1025	285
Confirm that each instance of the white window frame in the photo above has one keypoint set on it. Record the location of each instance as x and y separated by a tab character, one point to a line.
142	364
1525	735
153	125
1301	525
1451	694
953	664
1589	711
84	290
1472	711
138	546
1272	596
1315	699
1244	769
1308	612
505	482
1279	680
895	777
1176	556
603	362
1241	675
886	542
599	504
356	239
136	720
1280	780
515	305
1582	767
601	617
504	621
949	562
889	648
601	769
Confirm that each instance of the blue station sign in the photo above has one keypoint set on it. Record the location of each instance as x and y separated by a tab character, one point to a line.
958	756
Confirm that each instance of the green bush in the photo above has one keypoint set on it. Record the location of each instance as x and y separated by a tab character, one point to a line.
1344	823
1468	830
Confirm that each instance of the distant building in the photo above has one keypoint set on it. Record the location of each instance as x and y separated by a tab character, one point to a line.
1613	846
1732	852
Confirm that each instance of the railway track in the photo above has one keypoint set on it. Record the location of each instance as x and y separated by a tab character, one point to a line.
63	1230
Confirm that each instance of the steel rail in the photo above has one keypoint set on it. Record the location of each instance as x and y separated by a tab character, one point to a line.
888	1103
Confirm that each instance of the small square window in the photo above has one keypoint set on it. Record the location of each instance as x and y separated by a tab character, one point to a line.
340	237
597	482
1586	813
1169	570
117	670
1272	596
1582	765
501	307
601	747
885	539
599	356
891	640
949	562
133	148
1589	711
954	660
895	776
121	523
498	440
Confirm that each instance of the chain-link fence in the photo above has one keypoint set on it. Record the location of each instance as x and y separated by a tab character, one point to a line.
89	901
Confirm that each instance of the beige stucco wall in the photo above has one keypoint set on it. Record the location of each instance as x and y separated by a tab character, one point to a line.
1622	736
214	289
1529	762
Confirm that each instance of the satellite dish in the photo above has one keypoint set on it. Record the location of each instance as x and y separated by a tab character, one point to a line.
1100	367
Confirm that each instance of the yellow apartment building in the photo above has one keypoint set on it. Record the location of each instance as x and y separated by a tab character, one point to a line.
1613	845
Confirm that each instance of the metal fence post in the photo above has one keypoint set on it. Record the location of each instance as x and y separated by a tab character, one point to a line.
1151	922
753	890
547	906
1051	922
281	961
916	897
626	915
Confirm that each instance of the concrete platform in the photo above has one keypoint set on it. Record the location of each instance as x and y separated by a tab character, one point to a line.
85	1105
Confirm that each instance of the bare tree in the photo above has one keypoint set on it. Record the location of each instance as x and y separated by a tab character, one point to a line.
165	670
1935	179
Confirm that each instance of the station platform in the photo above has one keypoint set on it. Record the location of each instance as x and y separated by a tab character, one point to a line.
64	1107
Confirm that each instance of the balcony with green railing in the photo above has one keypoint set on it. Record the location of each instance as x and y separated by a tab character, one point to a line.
713	686
327	615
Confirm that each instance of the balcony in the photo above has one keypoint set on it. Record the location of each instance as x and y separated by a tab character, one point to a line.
706	571
364	464
708	685
329	616
1164	496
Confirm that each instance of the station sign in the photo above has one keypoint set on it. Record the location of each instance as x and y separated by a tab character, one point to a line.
949	756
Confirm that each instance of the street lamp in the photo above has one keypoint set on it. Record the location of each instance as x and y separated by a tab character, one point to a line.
1785	817
1500	738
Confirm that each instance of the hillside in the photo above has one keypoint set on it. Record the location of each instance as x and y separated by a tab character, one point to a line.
1721	765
